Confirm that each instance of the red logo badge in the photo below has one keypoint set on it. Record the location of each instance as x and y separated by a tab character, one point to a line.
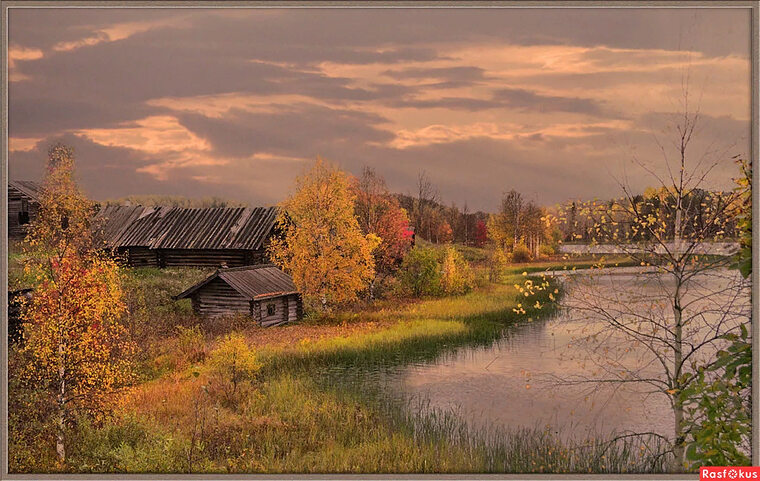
729	473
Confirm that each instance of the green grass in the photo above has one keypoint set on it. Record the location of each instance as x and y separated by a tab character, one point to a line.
16	278
472	254
290	424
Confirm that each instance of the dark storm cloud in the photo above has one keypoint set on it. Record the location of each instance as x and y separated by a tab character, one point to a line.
292	130
454	103
39	116
454	74
526	99
99	85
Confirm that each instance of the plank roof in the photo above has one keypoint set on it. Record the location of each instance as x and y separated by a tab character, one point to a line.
29	188
252	282
242	228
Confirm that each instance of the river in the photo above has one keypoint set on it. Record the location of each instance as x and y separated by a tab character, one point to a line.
514	382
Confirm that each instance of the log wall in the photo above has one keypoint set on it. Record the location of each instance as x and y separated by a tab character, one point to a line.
287	309
15	202
145	257
140	257
218	299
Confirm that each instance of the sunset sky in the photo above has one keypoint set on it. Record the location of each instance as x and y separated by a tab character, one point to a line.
555	103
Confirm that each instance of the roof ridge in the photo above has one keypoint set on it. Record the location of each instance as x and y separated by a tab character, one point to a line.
247	268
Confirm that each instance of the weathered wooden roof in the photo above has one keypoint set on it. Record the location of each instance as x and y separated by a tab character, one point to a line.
112	220
252	282
181	228
29	188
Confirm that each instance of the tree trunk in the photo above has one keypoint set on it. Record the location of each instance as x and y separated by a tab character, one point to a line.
372	289
60	443
678	411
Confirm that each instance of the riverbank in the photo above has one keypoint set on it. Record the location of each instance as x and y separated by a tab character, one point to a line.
183	417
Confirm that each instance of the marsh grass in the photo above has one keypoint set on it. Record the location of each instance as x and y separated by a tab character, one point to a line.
292	424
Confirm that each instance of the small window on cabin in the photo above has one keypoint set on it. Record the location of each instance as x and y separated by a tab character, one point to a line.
271	309
23	214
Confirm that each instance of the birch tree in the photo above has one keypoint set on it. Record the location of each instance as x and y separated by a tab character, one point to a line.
652	330
73	333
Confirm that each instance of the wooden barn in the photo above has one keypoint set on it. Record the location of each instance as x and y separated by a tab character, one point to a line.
172	236
264	292
23	204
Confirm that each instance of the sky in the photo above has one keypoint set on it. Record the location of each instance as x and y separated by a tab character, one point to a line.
555	103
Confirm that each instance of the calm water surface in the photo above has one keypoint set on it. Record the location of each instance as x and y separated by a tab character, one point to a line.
513	383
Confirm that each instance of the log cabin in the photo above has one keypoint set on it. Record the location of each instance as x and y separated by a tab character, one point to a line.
263	292
23	205
174	237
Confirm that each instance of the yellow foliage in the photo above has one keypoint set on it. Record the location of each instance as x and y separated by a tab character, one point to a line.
322	247
232	362
456	275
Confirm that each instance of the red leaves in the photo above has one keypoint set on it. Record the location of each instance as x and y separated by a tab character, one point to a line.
481	234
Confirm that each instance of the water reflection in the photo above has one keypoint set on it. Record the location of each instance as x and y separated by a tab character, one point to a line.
513	382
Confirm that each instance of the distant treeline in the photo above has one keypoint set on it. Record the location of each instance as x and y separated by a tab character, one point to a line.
176	201
708	214
571	221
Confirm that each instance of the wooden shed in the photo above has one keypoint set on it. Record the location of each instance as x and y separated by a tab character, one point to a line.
172	236
264	292
23	205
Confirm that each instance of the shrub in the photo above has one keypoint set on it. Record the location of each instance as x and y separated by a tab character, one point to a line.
191	344
232	362
420	272
498	261
521	253
546	250
456	274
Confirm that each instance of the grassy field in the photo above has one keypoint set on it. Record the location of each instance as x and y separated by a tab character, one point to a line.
183	416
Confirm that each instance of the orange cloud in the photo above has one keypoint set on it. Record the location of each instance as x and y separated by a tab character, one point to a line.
152	135
115	32
437	133
18	53
22	144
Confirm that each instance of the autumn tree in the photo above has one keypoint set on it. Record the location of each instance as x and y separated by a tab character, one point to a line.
444	233
505	227
380	213
322	245
77	346
466	223
534	228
